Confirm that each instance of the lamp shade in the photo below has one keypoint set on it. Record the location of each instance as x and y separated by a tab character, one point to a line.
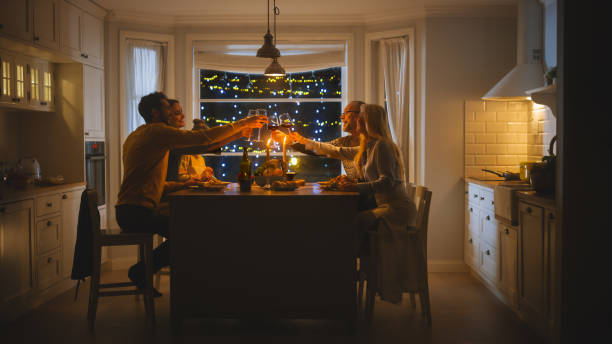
268	49
274	69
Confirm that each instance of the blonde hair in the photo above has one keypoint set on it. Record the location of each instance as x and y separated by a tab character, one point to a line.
374	117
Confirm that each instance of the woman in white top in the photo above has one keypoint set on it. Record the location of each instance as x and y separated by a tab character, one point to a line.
379	164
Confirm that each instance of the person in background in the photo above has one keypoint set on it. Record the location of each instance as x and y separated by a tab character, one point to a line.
349	125
193	166
145	162
378	163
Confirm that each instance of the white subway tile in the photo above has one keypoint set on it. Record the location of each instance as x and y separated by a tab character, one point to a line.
518	106
517	127
492	105
522	138
507	138
475	127
486	138
497	127
470	138
475	149
470	160
496	148
483	160
469	116
474	172
507	160
474	105
508	116
517	149
484	116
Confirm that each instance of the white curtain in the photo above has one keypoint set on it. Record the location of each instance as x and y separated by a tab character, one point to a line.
395	64
145	69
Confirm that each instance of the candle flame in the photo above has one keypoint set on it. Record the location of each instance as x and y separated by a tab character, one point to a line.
268	143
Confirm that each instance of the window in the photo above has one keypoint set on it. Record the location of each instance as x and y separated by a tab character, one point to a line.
313	99
20	81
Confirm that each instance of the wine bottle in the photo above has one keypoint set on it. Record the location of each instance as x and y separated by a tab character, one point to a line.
245	166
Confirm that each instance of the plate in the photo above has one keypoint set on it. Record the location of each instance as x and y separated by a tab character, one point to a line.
283	186
208	186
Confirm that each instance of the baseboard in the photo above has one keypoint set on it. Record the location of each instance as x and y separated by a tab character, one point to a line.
447	266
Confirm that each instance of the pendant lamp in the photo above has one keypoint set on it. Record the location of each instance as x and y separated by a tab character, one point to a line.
268	49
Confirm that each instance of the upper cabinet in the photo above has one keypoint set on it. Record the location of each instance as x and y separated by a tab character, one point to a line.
93	103
45	23
82	35
16	20
26	83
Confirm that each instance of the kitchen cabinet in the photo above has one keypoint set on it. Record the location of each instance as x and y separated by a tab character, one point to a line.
82	34
538	268
15	20
16	271
45	15
27	83
508	248
37	237
93	103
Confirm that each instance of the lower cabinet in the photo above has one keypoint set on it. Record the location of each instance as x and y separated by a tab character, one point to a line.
37	238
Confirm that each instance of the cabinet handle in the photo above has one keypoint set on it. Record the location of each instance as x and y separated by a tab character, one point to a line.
64	196
87	133
471	241
16	100
488	252
551	216
492	202
475	196
43	103
36	38
466	192
471	210
49	204
488	218
507	231
49	223
49	260
528	210
482	198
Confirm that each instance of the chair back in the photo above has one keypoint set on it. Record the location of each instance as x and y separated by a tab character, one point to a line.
94	214
422	199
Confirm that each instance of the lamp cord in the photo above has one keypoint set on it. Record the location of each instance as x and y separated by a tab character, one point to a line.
276	12
268	12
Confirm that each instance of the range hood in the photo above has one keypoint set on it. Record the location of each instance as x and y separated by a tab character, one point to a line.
528	73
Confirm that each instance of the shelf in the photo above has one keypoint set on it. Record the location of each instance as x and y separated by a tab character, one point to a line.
546	95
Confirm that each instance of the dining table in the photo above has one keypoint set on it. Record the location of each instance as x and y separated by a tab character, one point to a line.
263	254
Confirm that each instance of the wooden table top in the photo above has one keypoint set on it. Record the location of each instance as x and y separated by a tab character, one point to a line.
233	190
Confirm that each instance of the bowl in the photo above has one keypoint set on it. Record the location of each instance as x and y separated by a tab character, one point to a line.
261	180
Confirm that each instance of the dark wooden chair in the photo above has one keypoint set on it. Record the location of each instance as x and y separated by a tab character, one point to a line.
108	238
368	275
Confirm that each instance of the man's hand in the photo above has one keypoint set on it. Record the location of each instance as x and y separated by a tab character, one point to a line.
256	121
347	185
207	174
278	136
295	137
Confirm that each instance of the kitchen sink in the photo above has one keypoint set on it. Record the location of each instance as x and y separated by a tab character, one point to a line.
506	201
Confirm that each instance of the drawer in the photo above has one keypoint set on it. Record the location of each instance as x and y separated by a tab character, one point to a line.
487	200
471	250
472	219
489	265
49	270
48	204
474	193
48	234
489	232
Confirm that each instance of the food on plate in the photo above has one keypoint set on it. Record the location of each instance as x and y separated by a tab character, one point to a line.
270	168
334	183
284	185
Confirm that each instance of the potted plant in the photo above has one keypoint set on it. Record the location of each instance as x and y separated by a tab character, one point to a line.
551	75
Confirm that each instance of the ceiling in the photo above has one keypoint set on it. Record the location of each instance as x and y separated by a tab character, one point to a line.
288	8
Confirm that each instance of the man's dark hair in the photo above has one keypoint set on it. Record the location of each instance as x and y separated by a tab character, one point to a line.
148	103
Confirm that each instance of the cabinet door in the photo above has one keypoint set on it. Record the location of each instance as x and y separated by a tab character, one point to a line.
508	247
21	85
71	29
7	86
554	280
92	36
473	219
35	83
93	102
46	31
47	96
471	250
532	266
488	230
15	20
70	216
15	250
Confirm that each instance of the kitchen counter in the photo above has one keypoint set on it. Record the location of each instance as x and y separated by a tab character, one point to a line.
546	201
487	183
12	194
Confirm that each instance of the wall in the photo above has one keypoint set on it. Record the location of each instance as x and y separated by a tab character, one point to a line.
499	135
464	58
10	133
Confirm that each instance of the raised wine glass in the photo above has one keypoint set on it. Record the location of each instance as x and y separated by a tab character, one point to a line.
256	134
286	123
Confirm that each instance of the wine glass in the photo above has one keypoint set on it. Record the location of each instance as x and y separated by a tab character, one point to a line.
256	133
273	122
285	123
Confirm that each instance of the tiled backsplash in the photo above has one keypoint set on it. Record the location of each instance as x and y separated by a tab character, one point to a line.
501	134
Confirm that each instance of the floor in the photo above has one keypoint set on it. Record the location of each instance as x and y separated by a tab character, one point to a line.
463	311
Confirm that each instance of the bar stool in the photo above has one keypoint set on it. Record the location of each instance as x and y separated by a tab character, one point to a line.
108	238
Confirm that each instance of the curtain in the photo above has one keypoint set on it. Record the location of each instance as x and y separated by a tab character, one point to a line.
395	64
145	69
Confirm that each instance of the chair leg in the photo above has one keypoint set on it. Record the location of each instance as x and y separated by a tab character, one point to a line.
94	287
148	294
424	286
141	257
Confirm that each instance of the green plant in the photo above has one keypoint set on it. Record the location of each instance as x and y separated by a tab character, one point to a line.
551	74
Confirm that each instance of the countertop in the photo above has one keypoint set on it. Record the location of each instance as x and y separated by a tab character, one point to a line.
12	194
546	201
487	183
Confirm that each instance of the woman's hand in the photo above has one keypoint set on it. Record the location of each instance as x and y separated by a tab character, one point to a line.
347	185
207	174
278	136
295	137
252	122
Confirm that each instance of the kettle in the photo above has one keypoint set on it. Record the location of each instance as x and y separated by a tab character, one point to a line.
30	167
542	174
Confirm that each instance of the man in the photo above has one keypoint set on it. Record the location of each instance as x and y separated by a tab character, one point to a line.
349	125
145	161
